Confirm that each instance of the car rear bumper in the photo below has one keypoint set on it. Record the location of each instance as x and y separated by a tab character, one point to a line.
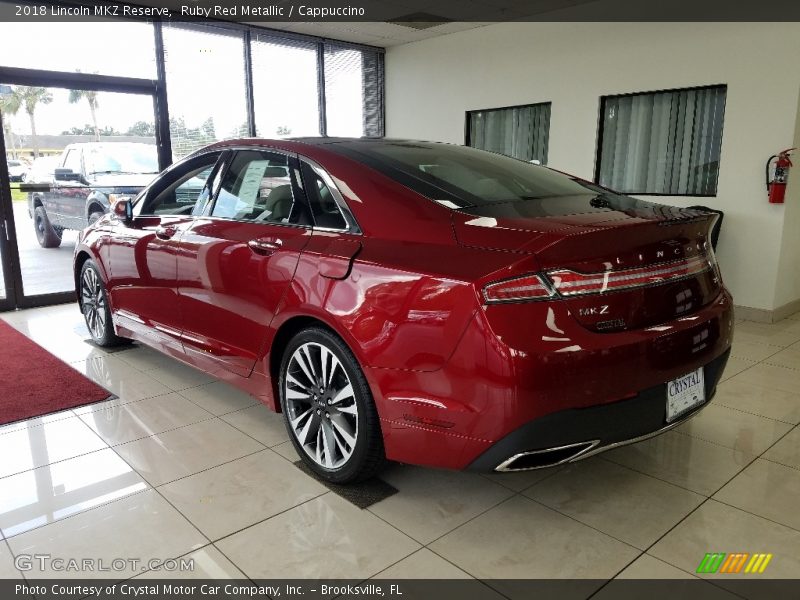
520	376
574	434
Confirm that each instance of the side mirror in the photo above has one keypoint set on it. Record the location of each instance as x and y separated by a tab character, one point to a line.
123	209
62	174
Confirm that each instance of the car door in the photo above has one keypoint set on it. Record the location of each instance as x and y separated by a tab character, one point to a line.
68	193
236	263
143	252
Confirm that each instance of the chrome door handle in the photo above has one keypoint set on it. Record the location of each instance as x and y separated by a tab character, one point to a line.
166	233
265	247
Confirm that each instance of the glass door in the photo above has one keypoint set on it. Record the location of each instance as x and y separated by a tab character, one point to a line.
6	288
70	152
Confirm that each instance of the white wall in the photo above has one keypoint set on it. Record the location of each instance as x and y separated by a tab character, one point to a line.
788	288
430	84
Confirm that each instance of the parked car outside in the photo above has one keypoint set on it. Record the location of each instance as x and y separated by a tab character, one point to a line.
42	172
418	302
17	170
86	179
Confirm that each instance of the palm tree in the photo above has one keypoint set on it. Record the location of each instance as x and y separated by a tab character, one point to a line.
29	97
9	105
91	97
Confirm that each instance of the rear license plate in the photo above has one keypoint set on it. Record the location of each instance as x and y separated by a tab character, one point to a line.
685	393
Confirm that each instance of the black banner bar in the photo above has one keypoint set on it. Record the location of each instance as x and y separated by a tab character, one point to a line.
754	586
416	14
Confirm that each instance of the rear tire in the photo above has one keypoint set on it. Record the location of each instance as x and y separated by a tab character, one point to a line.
46	234
328	408
94	306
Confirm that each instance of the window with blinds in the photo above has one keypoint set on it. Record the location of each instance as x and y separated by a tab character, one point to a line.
206	86
665	143
285	87
521	132
353	91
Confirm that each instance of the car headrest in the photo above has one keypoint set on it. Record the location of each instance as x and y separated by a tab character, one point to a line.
279	202
275	172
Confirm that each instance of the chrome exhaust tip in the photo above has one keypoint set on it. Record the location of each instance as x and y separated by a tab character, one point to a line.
546	457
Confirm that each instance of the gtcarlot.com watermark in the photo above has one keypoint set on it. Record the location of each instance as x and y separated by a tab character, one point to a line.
48	562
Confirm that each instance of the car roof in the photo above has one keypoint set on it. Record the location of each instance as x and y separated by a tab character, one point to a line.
318	141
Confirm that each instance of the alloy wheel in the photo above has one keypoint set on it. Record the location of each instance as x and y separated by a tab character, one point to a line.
321	405
93	303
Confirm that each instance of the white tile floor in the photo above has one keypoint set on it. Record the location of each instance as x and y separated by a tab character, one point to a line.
184	466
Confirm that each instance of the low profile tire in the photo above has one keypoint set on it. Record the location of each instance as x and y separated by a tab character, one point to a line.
46	234
94	306
328	408
95	216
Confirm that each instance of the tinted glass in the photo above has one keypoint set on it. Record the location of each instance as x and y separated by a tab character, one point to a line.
183	189
323	204
257	187
457	176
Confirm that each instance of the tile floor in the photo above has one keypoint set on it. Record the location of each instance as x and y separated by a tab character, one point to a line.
181	465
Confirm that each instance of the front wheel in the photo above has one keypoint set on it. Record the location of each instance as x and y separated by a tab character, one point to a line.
95	308
46	234
328	408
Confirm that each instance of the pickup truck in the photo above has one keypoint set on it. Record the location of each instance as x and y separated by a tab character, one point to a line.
84	183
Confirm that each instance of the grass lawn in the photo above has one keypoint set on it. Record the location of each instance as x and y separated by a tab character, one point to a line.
16	195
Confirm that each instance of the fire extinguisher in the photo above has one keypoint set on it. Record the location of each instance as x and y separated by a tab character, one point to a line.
780	177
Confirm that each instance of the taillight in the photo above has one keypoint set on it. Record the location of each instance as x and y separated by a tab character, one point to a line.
519	289
571	283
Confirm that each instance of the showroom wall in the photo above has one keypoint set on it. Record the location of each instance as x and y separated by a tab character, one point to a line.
788	288
430	84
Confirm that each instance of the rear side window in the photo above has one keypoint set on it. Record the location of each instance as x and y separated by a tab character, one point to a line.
323	203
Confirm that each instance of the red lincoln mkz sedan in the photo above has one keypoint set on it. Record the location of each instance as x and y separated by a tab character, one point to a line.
414	301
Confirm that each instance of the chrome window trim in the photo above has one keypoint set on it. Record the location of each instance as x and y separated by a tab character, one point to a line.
344	209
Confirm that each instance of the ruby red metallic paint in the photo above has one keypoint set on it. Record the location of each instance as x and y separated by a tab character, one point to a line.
450	375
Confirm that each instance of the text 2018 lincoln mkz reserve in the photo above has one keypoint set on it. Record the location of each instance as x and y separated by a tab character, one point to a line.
418	302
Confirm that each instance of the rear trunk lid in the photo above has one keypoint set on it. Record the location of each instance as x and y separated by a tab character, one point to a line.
618	262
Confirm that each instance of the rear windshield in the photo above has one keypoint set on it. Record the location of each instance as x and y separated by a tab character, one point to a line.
459	177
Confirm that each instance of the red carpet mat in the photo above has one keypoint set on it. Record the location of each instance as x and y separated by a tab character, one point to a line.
33	382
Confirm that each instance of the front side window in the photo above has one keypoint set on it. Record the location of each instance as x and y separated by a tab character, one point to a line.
256	187
183	189
73	161
662	143
519	131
